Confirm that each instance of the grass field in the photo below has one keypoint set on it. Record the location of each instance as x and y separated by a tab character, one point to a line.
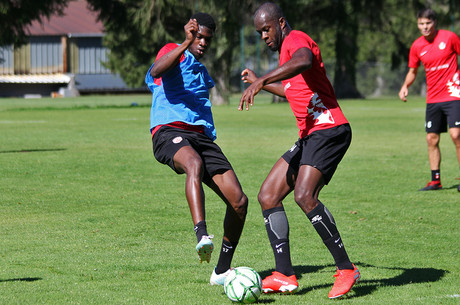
87	216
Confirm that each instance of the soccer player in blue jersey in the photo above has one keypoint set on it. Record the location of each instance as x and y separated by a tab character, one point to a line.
183	135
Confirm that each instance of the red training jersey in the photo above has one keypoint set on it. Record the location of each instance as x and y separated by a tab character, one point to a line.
164	50
439	58
310	94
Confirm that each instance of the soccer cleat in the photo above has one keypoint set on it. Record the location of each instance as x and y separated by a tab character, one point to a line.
204	248
219	279
344	280
278	282
432	186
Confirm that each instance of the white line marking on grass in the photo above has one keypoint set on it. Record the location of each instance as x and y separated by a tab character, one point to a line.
125	119
450	296
21	122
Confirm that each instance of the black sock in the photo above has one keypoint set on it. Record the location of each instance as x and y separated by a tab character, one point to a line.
200	230
436	175
324	224
277	227
226	256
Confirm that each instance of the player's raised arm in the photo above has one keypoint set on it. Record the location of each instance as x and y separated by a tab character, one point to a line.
171	59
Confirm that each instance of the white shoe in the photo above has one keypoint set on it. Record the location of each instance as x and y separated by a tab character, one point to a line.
204	248
219	279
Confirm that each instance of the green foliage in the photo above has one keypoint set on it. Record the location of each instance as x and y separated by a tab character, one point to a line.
137	29
16	15
89	217
348	32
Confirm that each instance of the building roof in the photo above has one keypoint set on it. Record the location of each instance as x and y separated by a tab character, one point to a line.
58	78
78	20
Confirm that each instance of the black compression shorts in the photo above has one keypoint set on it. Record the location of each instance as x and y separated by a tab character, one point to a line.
322	149
441	115
168	140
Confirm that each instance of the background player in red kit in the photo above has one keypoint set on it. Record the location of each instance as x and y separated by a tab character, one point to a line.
325	136
437	50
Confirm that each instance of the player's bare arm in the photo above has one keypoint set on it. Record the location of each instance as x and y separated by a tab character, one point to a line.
410	78
171	59
301	60
248	76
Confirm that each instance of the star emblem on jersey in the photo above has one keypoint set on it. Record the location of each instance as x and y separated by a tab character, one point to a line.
320	113
453	86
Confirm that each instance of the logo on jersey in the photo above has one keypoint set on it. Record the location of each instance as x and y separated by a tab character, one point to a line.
442	46
423	53
288	85
177	140
320	113
453	86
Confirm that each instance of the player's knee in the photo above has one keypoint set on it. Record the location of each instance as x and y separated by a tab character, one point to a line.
306	200
432	139
266	200
194	167
241	206
456	138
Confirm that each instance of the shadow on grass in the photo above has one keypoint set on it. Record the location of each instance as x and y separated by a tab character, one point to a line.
453	187
24	279
31	150
364	287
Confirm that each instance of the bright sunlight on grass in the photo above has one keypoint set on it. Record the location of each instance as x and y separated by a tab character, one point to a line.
87	216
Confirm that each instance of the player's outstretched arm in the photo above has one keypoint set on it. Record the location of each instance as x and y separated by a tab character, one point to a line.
171	59
248	76
301	60
410	78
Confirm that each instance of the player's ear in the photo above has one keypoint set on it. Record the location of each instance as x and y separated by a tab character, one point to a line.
282	22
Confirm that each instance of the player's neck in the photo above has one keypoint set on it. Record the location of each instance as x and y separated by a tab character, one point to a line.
432	36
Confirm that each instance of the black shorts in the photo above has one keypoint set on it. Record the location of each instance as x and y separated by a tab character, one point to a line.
322	149
168	140
440	115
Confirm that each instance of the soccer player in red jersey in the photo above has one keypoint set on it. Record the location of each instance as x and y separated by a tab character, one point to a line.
324	137
437	50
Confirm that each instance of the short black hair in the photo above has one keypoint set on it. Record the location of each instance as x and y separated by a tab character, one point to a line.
427	13
272	9
205	20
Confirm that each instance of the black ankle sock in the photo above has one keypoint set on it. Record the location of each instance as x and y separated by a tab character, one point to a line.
277	227
200	230
324	224
282	253
436	175
226	256
337	249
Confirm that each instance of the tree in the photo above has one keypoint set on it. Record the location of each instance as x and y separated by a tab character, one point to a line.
335	25
15	15
230	16
137	29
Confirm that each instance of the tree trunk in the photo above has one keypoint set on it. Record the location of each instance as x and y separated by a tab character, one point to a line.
220	93
346	51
